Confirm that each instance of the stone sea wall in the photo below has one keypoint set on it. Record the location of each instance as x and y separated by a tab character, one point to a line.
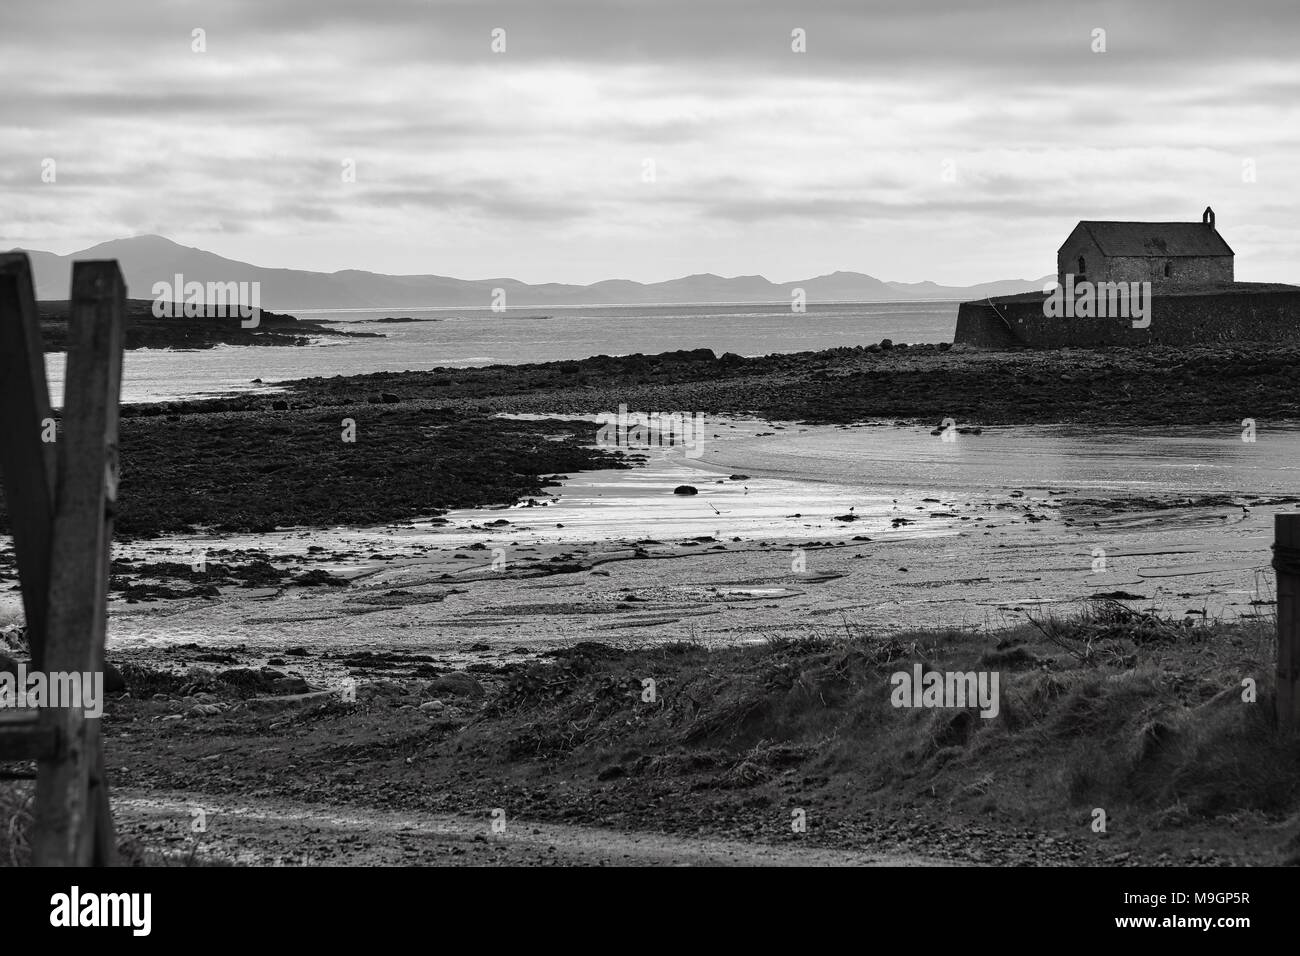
1242	314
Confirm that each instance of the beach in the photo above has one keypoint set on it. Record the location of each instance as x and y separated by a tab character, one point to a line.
475	532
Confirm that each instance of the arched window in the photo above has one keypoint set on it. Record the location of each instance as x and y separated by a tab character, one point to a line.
1083	267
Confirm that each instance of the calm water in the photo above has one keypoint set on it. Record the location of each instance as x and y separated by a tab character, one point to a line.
802	476
798	480
476	337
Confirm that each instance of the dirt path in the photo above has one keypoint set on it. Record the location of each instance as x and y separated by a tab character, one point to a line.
287	834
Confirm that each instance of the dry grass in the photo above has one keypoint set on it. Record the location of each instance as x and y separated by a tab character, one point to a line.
15	823
1109	707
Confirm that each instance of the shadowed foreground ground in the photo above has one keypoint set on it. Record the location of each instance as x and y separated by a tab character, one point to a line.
1117	711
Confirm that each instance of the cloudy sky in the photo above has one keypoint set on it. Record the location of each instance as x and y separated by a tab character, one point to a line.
649	139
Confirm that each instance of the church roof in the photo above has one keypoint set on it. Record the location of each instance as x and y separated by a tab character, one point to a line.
1155	238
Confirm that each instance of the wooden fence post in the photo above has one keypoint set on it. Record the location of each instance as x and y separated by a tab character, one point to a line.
26	461
1286	561
72	826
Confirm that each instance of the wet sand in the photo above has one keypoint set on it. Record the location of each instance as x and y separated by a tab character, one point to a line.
796	530
462	529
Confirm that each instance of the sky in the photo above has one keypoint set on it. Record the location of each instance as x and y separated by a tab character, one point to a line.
649	139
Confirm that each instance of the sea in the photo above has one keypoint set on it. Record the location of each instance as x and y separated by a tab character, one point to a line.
461	338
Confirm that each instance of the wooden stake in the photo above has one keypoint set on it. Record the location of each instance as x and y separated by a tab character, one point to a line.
1286	535
26	461
69	825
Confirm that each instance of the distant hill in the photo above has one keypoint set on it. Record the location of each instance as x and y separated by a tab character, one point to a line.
149	259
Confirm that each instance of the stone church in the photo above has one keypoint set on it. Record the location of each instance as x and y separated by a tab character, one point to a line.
1166	254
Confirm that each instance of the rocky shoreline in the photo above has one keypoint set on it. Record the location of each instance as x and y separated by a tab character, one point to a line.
428	441
883	382
144	330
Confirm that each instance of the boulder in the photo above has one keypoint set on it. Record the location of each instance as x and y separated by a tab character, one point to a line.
114	682
290	685
686	490
455	684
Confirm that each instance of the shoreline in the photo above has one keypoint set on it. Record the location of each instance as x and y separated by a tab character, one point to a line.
382	571
1153	385
142	329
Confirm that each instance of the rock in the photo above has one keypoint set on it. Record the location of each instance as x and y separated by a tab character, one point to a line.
216	658
266	680
456	684
279	405
388	398
114	682
317	576
205	710
290	685
433	706
246	678
686	355
739	477
686	490
886	344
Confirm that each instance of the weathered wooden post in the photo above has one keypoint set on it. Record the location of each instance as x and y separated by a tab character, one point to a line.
1286	561
71	794
26	461
60	497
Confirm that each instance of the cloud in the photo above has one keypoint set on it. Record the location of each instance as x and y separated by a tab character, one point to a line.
942	121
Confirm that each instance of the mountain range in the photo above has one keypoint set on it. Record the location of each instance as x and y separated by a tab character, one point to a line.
149	259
